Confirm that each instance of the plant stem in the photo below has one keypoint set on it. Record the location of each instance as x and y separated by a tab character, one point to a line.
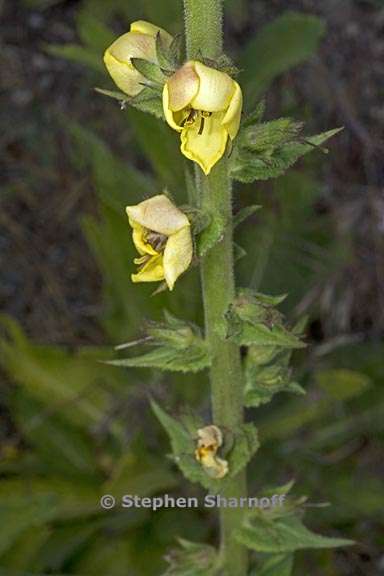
226	374
204	28
204	37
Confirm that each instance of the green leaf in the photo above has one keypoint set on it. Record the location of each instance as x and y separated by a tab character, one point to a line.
267	136
19	514
284	534
276	565
342	384
94	33
251	319
289	40
178	348
192	559
247	166
149	70
244	214
256	116
211	234
78	54
266	374
167	56
245	445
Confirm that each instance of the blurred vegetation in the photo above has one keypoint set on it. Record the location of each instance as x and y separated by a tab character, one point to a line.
74	428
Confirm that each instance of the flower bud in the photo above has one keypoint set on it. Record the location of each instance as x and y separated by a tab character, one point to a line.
139	42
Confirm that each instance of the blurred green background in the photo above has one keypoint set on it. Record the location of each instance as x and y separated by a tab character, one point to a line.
72	428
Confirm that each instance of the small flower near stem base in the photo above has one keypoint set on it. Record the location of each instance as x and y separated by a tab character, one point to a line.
139	42
209	441
162	236
204	105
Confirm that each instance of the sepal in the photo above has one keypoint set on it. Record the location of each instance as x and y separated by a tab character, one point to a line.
176	346
148	100
192	559
252	320
267	150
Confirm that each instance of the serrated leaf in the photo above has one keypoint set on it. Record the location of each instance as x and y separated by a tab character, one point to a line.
247	166
78	54
267	376
115	94
149	70
192	559
256	116
284	534
276	565
244	214
211	235
246	444
177	346
165	54
183	446
270	135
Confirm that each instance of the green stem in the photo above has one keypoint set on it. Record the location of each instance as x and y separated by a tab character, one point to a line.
226	374
204	28
204	37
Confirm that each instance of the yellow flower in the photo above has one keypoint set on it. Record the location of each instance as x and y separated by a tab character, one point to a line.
139	42
209	441
205	105
162	236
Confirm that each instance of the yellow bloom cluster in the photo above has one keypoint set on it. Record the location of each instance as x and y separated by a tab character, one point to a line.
201	103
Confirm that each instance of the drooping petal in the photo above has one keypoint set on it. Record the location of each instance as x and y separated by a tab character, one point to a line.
232	118
144	27
177	255
169	115
215	89
208	147
152	271
158	214
183	86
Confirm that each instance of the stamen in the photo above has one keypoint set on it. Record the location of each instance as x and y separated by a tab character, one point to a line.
202	122
156	240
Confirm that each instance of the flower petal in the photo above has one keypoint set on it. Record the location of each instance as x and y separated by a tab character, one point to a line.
144	27
123	74
215	89
158	214
232	118
208	147
152	271
177	255
183	86
169	115
139	241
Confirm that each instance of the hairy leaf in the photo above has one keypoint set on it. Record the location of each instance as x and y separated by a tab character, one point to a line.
192	559
276	565
248	165
176	346
284	534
